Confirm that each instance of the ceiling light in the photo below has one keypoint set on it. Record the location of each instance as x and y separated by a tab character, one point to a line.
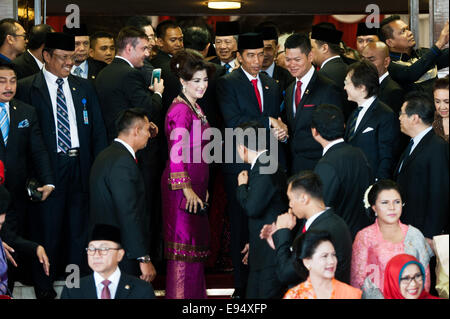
224	4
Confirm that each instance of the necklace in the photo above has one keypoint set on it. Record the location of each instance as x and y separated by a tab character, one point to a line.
194	109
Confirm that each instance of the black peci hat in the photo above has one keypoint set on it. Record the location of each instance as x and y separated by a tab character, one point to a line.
81	31
364	30
226	28
106	232
250	41
324	32
268	33
59	40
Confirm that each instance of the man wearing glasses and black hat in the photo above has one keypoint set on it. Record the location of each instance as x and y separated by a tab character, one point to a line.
73	131
108	282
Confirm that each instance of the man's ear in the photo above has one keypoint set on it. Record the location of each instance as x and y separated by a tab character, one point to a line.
389	43
159	42
239	57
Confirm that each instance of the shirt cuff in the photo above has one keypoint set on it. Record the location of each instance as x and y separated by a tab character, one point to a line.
51	185
159	94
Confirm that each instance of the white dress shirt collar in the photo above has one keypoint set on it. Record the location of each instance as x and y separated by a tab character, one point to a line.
419	137
232	63
329	59
114	279
38	62
127	146
121	57
310	220
256	158
365	107
383	76
326	148
50	77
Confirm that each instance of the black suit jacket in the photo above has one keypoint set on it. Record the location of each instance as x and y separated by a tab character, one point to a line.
305	151
117	197
238	105
172	85
283	78
340	236
119	87
94	68
25	65
25	154
335	70
424	180
263	199
391	94
129	287
378	136
346	174
92	136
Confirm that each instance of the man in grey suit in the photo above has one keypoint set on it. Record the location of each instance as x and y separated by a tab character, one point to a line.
108	282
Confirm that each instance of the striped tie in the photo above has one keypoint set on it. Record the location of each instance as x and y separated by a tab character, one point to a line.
4	122
352	126
77	71
227	68
64	141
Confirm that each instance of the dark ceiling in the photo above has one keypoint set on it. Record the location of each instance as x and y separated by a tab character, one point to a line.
249	7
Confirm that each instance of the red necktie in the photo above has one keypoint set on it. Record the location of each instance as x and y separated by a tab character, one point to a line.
258	96
298	93
135	159
304	229
106	294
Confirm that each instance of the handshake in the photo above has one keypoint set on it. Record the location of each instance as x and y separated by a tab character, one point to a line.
281	129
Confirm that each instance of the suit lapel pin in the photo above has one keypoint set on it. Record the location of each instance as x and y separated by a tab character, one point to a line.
74	89
14	107
307	91
127	287
266	87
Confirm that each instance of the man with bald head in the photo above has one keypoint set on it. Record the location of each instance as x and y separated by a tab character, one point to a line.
390	92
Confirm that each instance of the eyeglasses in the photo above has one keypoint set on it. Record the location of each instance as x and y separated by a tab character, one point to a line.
406	281
103	251
65	57
20	35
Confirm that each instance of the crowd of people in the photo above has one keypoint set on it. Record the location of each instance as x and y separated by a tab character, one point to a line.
107	166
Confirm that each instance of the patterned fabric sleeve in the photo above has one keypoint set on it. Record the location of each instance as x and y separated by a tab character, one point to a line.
360	252
3	271
179	122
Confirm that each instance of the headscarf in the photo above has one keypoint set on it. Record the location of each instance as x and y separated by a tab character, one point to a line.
393	273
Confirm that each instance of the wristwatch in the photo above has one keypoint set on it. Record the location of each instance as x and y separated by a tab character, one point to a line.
146	259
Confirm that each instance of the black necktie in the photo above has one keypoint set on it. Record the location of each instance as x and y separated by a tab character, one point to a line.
405	154
264	72
352	129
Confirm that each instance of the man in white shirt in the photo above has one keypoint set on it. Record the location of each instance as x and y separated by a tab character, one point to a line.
305	194
73	132
104	254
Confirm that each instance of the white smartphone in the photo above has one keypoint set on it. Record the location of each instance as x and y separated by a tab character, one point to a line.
156	74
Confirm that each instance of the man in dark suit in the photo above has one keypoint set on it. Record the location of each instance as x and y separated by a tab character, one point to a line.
101	47
169	39
302	97
74	133
31	61
245	95
423	172
306	202
279	74
325	42
117	192
226	44
262	197
23	265
120	86
12	40
84	66
108	282
413	69
373	126
22	149
390	91
343	169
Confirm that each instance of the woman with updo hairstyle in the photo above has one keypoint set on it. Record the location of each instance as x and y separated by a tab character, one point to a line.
316	262
376	244
184	182
441	119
